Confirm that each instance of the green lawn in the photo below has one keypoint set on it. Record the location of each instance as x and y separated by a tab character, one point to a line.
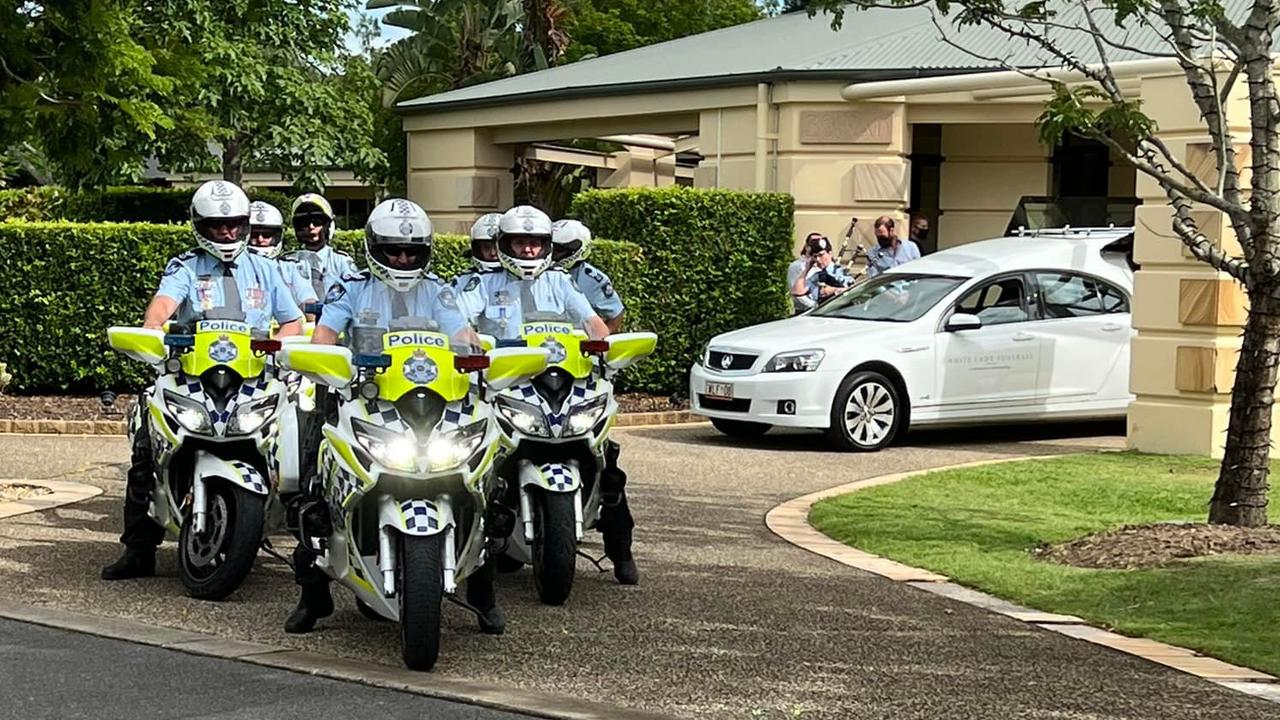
978	526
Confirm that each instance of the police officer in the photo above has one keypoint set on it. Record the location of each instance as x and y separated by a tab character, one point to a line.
571	245
824	278
397	292
266	238
483	255
216	279
313	224
526	290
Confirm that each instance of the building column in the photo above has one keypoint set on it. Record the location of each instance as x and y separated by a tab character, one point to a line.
985	171
457	175
1188	317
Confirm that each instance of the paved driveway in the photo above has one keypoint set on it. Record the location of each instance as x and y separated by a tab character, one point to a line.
728	622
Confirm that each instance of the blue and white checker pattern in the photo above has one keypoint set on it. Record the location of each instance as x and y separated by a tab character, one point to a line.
420	516
250	477
341	484
584	389
383	413
556	476
458	414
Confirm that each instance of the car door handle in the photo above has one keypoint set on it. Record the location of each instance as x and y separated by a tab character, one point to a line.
1023	337
912	348
1112	327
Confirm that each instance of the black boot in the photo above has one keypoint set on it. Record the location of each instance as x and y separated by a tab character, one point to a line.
617	547
314	603
134	562
480	595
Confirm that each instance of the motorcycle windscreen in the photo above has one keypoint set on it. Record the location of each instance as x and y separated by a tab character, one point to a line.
420	358
563	344
225	343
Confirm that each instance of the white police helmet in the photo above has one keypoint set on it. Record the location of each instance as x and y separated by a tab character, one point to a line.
524	221
220	204
485	229
397	241
313	207
265	219
572	242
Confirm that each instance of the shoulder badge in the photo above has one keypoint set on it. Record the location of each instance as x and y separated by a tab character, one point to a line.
352	277
607	289
173	267
336	291
593	273
472	284
448	299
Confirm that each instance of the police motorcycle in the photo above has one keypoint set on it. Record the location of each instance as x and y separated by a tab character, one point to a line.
406	468
212	416
554	432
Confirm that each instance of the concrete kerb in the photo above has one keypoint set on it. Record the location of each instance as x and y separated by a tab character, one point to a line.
790	521
117	427
527	702
62	493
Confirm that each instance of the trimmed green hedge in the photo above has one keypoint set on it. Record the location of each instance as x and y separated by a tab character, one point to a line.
117	204
67	283
715	260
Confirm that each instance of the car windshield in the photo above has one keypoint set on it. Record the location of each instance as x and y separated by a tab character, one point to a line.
891	297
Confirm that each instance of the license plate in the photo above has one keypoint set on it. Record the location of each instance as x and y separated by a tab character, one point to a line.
721	391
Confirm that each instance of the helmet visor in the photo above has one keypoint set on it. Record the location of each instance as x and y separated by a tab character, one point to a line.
564	250
307	220
526	247
401	256
265	236
484	250
223	230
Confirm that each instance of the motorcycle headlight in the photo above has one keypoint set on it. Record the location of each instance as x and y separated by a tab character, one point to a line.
451	449
395	450
798	361
526	418
190	414
248	418
585	416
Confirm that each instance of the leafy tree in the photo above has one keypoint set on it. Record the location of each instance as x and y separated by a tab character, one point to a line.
1219	46
603	27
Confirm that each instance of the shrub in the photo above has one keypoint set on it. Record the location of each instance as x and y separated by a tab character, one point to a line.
714	261
69	282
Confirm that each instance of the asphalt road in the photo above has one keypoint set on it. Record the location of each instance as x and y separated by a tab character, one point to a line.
54	674
728	622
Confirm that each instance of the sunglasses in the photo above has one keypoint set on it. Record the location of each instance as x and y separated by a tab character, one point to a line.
302	222
269	234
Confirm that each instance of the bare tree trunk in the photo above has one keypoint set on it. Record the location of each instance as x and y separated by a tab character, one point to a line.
232	161
1240	495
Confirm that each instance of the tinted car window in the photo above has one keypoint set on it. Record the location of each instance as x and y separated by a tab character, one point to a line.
1067	295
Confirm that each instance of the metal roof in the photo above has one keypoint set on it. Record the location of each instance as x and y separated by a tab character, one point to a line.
874	44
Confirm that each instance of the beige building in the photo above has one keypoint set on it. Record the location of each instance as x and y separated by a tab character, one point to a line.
881	117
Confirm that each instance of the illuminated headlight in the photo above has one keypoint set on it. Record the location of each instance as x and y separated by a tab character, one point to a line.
798	361
451	449
585	416
190	414
395	450
248	418
526	418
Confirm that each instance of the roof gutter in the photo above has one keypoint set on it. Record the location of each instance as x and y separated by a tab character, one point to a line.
995	80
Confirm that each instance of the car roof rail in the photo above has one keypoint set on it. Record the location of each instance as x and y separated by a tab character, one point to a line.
1067	231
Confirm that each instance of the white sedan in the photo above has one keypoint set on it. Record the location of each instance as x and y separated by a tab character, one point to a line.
1014	329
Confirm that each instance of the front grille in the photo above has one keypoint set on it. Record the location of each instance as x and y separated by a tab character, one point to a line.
709	403
737	361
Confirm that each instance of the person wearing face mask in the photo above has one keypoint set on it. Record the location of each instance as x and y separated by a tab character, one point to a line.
312	218
919	230
891	250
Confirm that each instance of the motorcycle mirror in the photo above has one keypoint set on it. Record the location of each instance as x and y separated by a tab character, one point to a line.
470	363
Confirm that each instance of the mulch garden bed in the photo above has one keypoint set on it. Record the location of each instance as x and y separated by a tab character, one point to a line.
1145	546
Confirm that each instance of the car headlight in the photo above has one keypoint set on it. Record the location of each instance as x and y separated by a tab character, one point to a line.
395	450
526	418
705	357
190	414
451	449
797	361
585	416
248	418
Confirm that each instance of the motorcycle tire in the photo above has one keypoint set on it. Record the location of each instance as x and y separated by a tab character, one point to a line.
212	565
420	592
554	547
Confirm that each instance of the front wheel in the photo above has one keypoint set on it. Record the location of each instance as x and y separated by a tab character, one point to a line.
740	428
866	414
421	591
555	547
214	563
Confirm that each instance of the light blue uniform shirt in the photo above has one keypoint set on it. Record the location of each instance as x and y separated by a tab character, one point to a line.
816	280
322	268
502	298
880	259
469	302
195	280
595	284
299	285
362	299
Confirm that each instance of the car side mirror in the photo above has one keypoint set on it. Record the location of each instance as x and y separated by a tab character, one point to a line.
513	365
963	321
325	364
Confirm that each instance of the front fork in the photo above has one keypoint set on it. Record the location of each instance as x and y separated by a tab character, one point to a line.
390	527
526	513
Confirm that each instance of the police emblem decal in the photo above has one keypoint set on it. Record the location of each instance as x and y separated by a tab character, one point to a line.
726	360
528	226
225	208
406	228
555	351
223	350
419	368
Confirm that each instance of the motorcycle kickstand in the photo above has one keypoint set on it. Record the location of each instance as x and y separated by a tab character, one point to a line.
270	549
593	561
465	606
